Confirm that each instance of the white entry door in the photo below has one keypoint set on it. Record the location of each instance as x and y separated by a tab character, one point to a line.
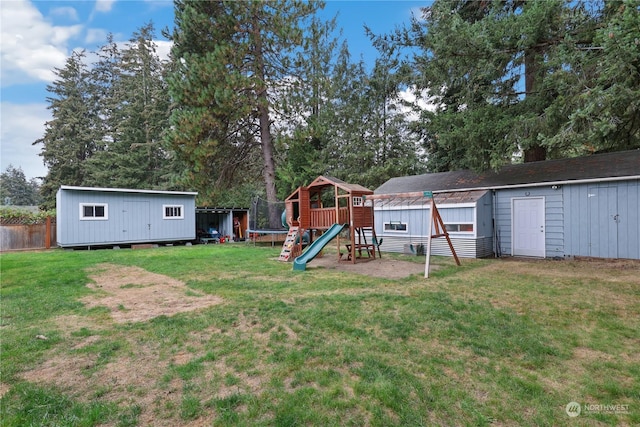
136	221
527	227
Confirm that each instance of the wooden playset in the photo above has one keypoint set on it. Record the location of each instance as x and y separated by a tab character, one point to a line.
325	208
328	206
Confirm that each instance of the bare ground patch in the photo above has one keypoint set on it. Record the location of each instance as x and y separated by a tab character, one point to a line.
138	377
133	379
4	388
386	268
136	295
131	294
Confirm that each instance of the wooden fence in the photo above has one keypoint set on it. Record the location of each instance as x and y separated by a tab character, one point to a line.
15	237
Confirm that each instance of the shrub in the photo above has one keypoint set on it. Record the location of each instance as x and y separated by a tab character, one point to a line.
13	215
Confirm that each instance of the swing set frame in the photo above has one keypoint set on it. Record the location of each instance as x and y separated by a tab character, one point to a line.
437	227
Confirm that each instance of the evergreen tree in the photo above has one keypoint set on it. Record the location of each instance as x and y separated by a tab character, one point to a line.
301	130
15	190
229	60
136	111
343	118
394	148
368	138
491	66
105	79
71	136
598	102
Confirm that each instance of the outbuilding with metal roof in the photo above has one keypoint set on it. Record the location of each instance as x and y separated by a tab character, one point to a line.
583	206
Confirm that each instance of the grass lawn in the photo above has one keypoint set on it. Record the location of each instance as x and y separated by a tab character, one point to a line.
226	335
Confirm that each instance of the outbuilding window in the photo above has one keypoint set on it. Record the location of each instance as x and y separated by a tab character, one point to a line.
173	211
94	211
395	226
459	228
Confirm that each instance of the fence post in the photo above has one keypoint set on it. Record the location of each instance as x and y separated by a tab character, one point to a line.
47	238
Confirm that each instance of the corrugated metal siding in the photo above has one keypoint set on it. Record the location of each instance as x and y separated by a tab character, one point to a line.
465	248
132	218
591	226
554	217
484	247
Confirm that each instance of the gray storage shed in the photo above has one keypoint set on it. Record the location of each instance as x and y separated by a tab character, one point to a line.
583	206
115	216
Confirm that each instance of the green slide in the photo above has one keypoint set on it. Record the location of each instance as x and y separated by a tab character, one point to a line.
300	263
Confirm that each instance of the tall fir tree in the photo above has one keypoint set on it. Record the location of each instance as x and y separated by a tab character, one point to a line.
367	131
229	60
491	66
301	111
598	97
71	135
135	113
15	190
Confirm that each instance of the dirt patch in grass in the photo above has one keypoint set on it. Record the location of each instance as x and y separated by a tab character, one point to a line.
132	295
4	388
132	379
386	268
136	295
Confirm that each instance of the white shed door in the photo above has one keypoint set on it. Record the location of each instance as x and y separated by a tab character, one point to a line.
136	222
527	222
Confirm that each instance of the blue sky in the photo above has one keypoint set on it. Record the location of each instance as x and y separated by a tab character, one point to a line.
38	36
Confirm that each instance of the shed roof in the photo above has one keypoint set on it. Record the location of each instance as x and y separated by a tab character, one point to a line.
128	190
609	166
448	198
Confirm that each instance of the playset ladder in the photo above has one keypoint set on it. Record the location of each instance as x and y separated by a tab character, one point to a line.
289	243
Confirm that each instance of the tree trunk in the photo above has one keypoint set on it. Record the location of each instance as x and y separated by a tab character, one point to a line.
269	171
535	152
266	141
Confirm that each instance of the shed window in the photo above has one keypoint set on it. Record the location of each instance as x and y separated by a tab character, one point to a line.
94	211
357	201
173	211
395	226
459	228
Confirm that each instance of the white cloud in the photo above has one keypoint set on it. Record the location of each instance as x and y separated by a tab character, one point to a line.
31	46
163	48
65	12
22	124
419	100
96	35
104	5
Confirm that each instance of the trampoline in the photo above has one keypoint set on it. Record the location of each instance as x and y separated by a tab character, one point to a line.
260	229
255	235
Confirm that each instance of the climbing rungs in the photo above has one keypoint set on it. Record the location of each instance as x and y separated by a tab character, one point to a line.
289	243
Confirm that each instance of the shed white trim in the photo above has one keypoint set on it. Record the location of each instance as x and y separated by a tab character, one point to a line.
543	184
127	190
